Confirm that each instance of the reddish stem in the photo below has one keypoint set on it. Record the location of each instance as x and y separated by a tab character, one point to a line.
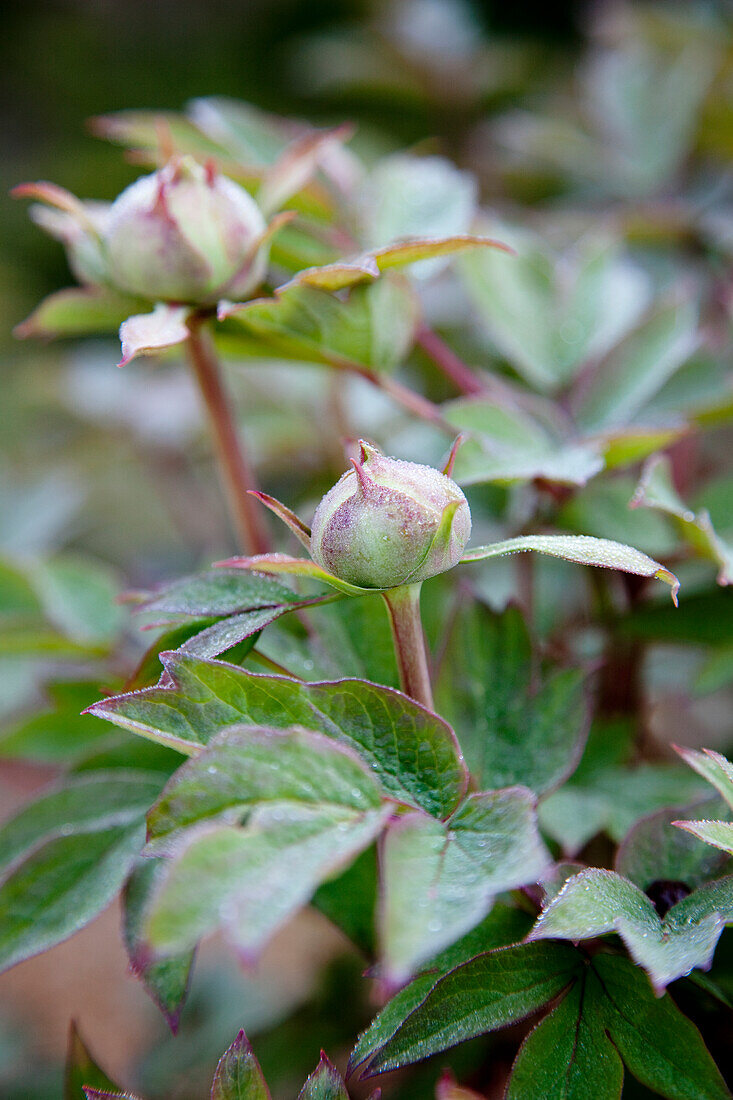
459	373
234	468
403	605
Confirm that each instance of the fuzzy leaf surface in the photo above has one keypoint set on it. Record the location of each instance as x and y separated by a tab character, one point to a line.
596	902
246	766
250	881
488	992
413	752
325	1083
439	880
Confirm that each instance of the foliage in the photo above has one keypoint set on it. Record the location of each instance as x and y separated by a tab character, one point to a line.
461	755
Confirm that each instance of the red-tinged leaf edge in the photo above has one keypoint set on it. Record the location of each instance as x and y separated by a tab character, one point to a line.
240	1048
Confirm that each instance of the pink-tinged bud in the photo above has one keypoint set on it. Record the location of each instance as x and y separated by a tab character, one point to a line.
185	234
388	523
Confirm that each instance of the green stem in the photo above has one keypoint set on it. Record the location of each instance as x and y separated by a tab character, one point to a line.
235	470
403	605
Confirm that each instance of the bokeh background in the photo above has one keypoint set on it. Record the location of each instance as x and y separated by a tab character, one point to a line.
110	471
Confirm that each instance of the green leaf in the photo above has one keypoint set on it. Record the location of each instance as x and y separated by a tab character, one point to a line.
216	592
505	443
374	327
82	804
568	1056
712	766
656	490
65	857
583	549
503	926
238	1075
549	314
717	833
325	1083
165	979
81	1069
246	766
440	880
635	371
596	902
610	1011
661	1047
516	724
613	799
413	752
250	881
654	852
61	886
78	311
486	993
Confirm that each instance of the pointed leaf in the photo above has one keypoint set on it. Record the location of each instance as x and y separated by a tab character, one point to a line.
144	333
245	766
717	833
294	567
325	1083
81	1070
250	881
661	1047
77	311
568	1056
656	490
490	991
596	902
238	1075
439	881
413	752
165	979
583	549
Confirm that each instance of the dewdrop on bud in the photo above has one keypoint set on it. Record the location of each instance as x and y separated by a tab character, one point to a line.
388	523
185	234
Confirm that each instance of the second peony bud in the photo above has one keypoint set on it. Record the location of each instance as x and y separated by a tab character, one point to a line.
185	234
388	523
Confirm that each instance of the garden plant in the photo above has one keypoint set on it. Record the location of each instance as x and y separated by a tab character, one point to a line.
436	707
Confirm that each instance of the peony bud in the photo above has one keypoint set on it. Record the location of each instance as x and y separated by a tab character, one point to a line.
185	234
388	523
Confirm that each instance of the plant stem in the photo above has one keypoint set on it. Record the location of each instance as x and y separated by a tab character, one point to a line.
458	372
234	468
403	605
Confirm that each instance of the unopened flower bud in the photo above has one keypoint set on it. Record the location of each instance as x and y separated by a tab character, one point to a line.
388	523
185	234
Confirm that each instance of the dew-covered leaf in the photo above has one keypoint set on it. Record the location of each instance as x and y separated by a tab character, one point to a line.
568	1056
717	833
325	1083
596	902
653	852
486	993
439	880
249	881
413	752
502	927
583	549
245	766
656	490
